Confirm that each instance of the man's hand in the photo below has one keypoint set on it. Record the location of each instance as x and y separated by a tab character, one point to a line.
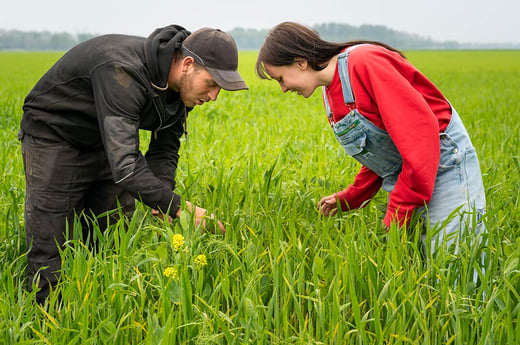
157	213
328	205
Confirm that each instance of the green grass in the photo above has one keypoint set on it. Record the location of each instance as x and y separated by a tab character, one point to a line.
281	274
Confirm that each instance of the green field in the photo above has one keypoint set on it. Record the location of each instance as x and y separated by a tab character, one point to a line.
260	160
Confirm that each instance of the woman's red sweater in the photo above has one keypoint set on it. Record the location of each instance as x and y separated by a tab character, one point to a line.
392	94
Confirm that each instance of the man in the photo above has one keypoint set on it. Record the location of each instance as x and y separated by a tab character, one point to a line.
80	131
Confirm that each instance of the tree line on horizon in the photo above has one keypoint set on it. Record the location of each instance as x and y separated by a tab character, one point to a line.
251	39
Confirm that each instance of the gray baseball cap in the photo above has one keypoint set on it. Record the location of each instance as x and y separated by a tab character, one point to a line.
217	52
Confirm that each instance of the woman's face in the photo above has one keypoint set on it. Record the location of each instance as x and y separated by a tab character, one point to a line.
296	77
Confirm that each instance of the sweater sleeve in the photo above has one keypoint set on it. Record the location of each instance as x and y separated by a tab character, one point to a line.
387	79
365	186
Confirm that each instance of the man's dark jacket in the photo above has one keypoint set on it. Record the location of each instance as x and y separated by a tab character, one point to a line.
101	93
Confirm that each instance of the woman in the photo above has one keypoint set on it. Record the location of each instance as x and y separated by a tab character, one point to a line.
388	116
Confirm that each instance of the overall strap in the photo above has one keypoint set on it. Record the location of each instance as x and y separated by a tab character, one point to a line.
348	95
327	105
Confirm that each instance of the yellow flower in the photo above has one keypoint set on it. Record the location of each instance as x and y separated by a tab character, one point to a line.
200	260
171	272
177	241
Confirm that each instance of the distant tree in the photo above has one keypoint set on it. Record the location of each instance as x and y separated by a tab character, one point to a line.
84	36
337	32
39	40
252	39
248	39
62	41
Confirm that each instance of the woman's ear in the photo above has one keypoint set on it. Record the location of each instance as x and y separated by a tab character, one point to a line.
302	64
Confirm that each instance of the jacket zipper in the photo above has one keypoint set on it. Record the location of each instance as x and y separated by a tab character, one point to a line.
171	124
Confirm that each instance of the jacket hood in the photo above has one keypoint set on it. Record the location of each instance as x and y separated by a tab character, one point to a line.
159	49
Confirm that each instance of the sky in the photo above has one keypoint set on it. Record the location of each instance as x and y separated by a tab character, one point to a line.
466	21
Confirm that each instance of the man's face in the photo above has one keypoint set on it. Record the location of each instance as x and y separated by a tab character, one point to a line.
197	86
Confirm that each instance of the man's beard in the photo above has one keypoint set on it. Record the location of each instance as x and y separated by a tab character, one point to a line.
185	88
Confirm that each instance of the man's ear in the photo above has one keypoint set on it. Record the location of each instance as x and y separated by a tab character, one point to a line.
187	63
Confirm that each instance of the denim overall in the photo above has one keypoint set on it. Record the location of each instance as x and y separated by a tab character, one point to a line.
458	182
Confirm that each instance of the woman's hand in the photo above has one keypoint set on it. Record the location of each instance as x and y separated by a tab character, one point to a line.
200	217
328	206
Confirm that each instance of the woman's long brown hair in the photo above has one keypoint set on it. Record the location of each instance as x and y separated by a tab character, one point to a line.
288	42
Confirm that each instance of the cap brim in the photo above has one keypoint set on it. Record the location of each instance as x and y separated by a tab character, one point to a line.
228	80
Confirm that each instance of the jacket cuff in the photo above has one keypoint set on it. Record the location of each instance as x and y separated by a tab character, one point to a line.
342	198
175	205
400	216
170	202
